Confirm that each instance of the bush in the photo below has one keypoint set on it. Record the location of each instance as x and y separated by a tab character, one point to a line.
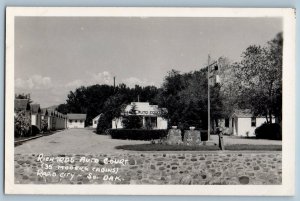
103	125
269	131
34	130
132	122
22	124
137	134
44	126
204	135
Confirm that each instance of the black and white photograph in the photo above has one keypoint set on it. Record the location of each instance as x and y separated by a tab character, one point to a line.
161	101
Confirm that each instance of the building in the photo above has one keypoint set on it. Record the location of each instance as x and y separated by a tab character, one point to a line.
95	121
76	120
36	113
55	119
151	115
242	123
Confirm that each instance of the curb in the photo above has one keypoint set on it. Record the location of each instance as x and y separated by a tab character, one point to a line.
31	138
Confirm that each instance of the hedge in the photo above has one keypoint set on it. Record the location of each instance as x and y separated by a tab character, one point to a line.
204	135
137	134
269	131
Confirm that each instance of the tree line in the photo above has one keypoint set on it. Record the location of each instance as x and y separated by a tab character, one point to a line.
253	83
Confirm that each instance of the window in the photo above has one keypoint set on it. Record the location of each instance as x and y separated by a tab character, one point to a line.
253	122
95	122
75	121
227	122
70	121
80	121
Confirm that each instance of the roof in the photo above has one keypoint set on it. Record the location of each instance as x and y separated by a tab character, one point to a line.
44	110
35	108
97	117
21	104
76	116
246	113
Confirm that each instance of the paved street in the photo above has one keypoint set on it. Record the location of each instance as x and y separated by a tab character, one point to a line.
79	141
74	141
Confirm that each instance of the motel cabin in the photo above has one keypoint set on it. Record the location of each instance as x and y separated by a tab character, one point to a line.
242	123
151	115
36	113
76	120
95	120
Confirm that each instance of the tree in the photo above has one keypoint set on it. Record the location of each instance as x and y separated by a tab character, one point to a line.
103	124
132	121
185	98
97	99
114	106
23	96
88	100
260	75
63	108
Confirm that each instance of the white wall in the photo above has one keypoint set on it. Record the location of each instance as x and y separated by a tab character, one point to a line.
33	119
60	123
36	120
75	124
95	123
162	123
118	121
244	126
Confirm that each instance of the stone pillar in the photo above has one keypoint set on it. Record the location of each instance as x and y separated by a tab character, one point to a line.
174	136
192	137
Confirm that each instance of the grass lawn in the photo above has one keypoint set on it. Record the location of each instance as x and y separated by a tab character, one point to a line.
161	147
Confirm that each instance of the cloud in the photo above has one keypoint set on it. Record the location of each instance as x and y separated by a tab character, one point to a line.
106	77
102	78
99	78
46	92
75	84
34	82
132	81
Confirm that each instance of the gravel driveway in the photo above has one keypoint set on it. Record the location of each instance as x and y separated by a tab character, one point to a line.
74	141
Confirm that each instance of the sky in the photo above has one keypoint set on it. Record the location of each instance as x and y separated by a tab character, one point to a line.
54	55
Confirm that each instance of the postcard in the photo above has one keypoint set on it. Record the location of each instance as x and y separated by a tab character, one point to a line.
150	101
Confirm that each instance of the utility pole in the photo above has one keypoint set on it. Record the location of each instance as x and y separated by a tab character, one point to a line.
114	82
208	99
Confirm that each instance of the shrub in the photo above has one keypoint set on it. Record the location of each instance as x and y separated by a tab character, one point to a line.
44	126
103	124
132	122
34	130
22	124
137	134
269	131
204	135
